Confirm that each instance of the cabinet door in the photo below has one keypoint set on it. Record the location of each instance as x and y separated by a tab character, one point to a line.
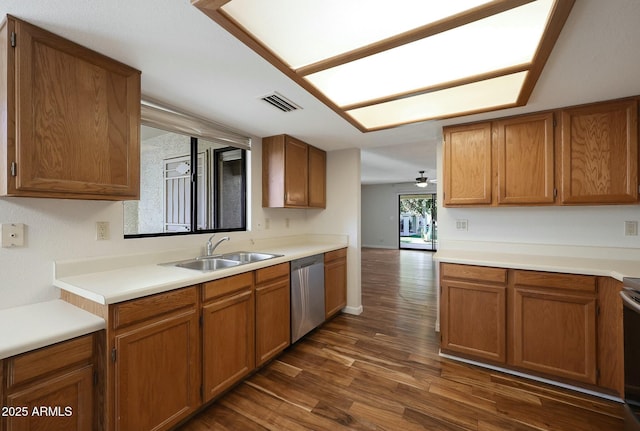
467	165
296	172
473	319
228	342
77	120
600	153
157	378
525	159
317	178
554	332
63	403
273	321
335	282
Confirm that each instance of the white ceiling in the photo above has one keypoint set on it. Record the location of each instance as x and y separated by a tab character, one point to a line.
190	62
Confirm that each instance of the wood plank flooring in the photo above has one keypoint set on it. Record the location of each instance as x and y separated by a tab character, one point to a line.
381	371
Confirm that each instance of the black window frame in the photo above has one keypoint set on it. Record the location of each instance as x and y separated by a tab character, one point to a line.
194	196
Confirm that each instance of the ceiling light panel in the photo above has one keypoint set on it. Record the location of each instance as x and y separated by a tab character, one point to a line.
492	44
480	96
380	64
305	32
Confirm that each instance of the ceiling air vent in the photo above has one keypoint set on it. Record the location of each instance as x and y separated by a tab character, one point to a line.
281	102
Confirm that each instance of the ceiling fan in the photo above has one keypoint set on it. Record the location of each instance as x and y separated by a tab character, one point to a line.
423	181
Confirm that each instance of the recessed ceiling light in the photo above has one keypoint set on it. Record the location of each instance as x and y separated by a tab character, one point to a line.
380	64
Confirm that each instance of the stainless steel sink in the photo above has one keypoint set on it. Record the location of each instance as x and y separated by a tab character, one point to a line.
207	263
221	261
248	256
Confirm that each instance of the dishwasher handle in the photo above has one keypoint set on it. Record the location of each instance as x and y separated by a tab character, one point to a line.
297	264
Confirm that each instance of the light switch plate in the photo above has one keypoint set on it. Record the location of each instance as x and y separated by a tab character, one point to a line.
12	235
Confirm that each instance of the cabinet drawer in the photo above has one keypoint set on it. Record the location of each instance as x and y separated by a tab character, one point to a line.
224	286
29	366
272	272
470	272
144	308
584	283
337	254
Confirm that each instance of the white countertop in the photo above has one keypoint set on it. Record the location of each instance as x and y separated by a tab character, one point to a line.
33	326
112	283
616	268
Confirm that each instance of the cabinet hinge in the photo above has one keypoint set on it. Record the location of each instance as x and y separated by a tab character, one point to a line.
13	39
14	169
113	355
555	122
95	378
555	192
597	374
597	310
201	321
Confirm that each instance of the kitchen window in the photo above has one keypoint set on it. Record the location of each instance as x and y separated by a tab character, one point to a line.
188	184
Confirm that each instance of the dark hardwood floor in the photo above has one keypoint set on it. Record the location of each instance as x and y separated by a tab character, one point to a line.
381	371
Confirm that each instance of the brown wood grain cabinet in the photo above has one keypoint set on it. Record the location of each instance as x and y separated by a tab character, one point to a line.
59	379
72	118
273	312
228	332
567	327
473	311
156	362
600	153
578	155
467	165
554	324
335	281
525	159
293	173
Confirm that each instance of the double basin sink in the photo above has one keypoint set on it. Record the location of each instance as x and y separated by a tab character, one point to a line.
221	261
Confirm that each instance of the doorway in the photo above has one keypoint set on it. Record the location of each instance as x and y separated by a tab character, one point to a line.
418	227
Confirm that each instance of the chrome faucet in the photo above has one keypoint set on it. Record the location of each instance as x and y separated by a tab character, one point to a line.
211	247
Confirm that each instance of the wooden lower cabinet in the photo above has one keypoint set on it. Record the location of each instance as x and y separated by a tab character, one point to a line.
335	281
474	311
562	326
52	387
273	315
554	331
156	361
228	333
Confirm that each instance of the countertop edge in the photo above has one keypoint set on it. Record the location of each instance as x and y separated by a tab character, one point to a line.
617	269
33	326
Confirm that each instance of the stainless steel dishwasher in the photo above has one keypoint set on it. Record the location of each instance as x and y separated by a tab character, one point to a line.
307	295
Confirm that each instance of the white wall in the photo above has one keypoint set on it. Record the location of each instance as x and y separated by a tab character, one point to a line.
380	207
58	229
342	215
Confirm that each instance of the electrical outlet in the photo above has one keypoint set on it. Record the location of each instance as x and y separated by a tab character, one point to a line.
631	228
462	224
102	230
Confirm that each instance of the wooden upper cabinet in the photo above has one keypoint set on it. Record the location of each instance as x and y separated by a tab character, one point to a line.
317	178
293	173
73	118
525	159
467	165
600	153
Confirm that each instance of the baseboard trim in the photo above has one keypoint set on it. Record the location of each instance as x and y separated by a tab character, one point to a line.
531	377
356	311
